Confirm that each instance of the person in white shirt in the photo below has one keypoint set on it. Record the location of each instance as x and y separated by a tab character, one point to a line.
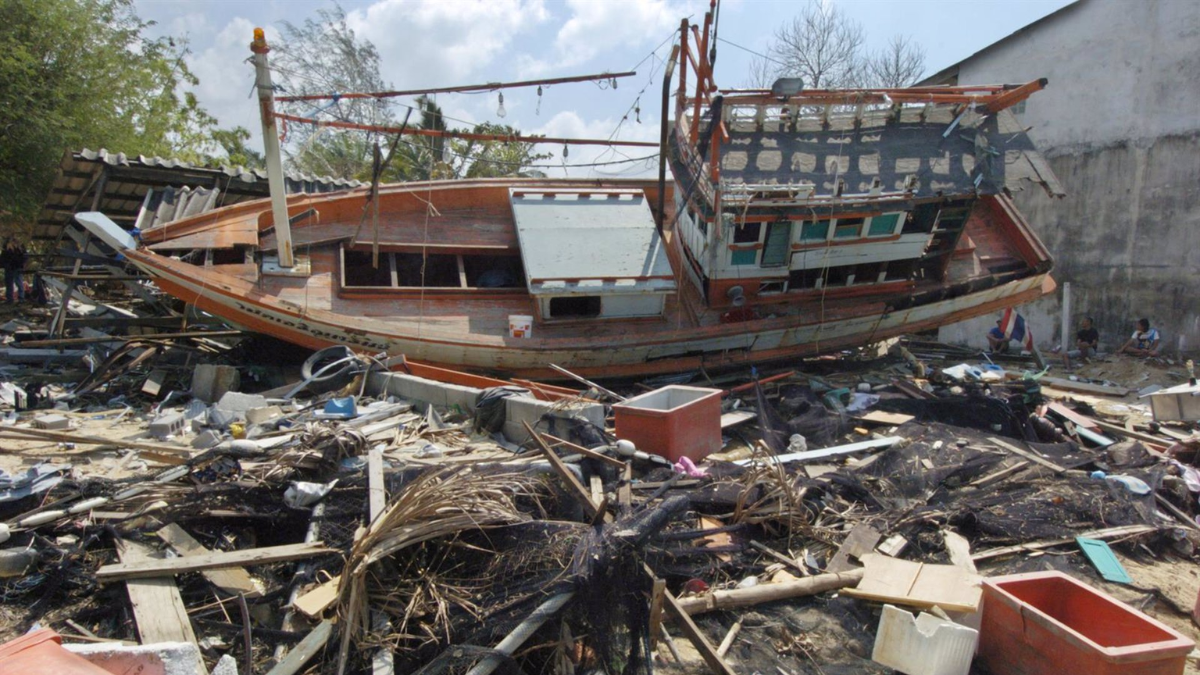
1143	342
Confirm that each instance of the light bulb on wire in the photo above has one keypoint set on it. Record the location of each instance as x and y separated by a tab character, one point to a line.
500	111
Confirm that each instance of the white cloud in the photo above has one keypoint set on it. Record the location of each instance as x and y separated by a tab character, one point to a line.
601	26
435	42
569	124
226	79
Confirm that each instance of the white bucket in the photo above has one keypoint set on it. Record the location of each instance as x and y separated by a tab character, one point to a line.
520	326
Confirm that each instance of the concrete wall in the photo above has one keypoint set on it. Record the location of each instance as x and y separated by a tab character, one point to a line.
1120	124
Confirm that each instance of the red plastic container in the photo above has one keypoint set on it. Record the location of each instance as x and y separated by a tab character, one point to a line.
1049	623
41	653
674	422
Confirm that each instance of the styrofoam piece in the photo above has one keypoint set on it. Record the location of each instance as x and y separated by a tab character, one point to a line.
106	230
923	645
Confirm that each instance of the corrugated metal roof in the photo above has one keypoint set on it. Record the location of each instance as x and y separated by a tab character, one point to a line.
130	178
604	240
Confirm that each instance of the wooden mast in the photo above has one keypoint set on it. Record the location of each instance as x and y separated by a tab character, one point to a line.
266	101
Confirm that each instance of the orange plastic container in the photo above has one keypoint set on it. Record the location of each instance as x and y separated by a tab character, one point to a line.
1049	623
674	421
41	652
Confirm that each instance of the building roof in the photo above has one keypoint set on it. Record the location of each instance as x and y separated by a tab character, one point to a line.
589	241
180	188
949	74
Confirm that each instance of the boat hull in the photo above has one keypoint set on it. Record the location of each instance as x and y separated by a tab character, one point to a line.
638	354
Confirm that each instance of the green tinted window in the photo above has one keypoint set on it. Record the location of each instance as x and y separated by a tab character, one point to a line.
883	225
814	231
748	257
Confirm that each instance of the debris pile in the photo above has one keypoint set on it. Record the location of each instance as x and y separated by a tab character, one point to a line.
357	514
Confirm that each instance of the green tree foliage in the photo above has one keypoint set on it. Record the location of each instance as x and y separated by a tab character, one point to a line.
323	56
233	144
79	73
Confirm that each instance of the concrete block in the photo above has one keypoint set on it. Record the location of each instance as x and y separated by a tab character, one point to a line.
463	397
206	439
264	414
163	658
171	424
52	422
237	402
210	383
522	409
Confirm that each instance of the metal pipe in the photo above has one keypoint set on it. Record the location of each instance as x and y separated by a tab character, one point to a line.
266	104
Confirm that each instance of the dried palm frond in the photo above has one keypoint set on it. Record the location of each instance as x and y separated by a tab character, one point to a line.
438	505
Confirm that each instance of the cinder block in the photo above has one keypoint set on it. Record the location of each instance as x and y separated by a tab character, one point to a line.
171	424
53	422
210	383
206	439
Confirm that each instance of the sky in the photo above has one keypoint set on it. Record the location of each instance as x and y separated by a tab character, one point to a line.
438	43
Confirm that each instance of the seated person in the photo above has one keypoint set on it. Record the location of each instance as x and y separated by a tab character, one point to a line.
1143	342
997	340
1087	342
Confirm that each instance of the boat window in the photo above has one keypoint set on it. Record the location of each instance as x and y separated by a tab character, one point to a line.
837	276
746	233
921	219
440	270
575	306
848	227
359	271
744	257
227	256
771	287
867	273
800	280
494	271
901	270
884	225
814	231
778	245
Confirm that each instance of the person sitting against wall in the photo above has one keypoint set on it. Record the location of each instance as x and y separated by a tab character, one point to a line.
1087	342
1143	342
997	340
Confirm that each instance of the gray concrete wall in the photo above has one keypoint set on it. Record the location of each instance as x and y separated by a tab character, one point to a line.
1120	124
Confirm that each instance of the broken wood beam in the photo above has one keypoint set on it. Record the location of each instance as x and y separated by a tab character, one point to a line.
62	436
709	653
303	653
1105	534
748	597
64	342
198	563
158	609
586	452
573	485
1027	454
232	580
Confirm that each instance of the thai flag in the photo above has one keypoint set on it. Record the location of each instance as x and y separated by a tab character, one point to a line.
1014	327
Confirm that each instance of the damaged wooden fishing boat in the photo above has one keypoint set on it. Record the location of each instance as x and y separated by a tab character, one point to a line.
798	222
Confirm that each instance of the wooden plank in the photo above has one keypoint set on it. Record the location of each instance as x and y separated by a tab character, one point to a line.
826	452
1027	454
1068	414
1158	443
232	580
1084	387
736	417
903	582
625	492
585	451
573	485
693	633
597	486
196	563
314	603
1105	534
960	551
376	490
303	653
881	417
859	542
158	610
656	608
